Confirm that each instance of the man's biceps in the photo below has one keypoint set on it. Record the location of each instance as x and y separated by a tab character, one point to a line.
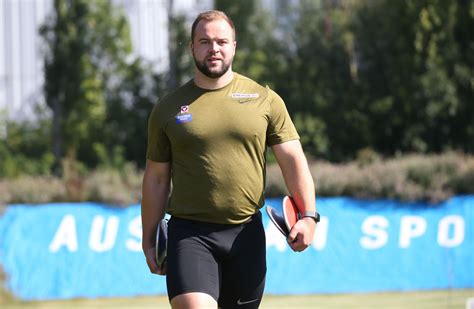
292	147
158	170
158	167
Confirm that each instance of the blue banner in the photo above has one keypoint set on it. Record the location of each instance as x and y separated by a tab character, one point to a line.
58	251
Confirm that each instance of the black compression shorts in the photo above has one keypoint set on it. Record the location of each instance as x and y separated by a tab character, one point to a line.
225	261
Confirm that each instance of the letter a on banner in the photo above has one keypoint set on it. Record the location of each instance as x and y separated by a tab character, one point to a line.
66	235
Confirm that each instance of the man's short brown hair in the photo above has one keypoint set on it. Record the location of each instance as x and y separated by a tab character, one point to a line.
210	16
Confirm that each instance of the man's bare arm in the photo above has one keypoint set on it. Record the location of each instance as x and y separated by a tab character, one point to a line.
299	182
155	191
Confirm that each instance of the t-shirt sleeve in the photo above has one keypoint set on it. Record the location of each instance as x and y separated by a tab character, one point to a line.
280	129
159	147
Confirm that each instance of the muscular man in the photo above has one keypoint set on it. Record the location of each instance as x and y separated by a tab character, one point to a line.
208	138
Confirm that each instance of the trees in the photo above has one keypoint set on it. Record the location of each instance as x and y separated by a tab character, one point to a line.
87	42
99	97
319	82
411	74
391	76
255	37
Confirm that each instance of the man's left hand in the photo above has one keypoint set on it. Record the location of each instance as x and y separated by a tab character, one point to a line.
301	235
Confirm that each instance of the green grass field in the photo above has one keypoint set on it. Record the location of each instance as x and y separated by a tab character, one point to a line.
417	300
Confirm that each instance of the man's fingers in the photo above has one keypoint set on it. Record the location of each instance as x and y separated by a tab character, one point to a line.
297	244
152	265
301	235
292	237
296	239
151	261
162	272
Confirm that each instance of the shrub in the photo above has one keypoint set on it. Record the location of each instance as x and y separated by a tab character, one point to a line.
407	178
32	189
463	182
430	178
115	187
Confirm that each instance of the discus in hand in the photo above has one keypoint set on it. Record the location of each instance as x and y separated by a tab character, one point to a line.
161	243
290	212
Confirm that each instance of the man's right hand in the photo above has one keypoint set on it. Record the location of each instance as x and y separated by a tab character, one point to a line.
155	192
150	255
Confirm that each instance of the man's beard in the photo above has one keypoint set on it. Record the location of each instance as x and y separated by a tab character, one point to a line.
204	69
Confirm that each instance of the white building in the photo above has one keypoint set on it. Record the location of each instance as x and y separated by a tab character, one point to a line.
21	71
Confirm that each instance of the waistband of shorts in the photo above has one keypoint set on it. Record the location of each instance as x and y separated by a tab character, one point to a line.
254	217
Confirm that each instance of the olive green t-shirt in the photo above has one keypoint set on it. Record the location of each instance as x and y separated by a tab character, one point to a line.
216	142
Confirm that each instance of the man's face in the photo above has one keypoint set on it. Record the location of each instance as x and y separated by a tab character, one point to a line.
213	47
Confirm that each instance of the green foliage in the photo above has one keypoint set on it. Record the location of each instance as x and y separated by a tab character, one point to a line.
25	149
367	156
255	37
393	76
411	93
360	78
128	108
89	77
312	134
181	61
320	83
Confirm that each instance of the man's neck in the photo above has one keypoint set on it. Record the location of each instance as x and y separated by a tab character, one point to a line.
202	81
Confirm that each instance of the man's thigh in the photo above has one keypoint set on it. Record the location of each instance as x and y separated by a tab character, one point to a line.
193	300
191	266
243	274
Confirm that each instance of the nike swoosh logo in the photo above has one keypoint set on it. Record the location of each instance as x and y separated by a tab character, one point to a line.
239	302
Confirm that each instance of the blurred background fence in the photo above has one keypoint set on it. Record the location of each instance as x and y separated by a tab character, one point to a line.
88	250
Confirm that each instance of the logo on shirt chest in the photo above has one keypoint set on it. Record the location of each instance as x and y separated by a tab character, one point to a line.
184	109
244	97
184	116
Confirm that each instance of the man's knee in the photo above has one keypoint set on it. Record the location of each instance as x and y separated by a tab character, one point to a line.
193	300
